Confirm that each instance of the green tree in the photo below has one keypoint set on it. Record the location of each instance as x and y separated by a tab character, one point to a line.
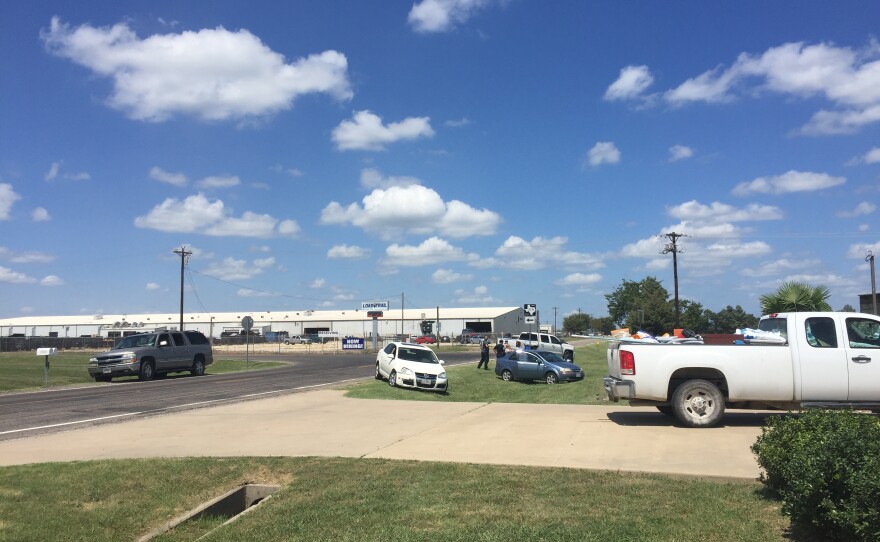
729	319
848	308
694	316
642	304
576	323
602	325
795	297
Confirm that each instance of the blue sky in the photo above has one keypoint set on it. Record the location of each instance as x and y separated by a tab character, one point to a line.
313	155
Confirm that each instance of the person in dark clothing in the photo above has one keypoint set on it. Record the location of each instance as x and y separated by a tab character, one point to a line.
484	353
499	349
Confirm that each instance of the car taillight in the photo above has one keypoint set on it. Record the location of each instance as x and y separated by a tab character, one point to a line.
627	363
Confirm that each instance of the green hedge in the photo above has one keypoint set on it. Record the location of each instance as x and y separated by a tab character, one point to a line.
825	466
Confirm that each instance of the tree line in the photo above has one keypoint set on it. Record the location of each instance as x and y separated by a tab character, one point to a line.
646	305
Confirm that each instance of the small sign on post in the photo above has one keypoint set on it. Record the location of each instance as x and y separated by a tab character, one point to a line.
46	352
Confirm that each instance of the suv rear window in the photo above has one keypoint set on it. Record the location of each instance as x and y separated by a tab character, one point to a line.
196	338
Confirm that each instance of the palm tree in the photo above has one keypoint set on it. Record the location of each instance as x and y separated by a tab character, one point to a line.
794	297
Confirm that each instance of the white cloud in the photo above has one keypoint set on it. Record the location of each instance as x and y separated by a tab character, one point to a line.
630	84
232	269
431	251
372	178
860	250
870	157
53	171
862	209
603	152
51	280
292	172
8	275
351	252
212	74
579	279
219	182
460	123
448	276
478	296
152	286
40	214
366	132
196	214
7	198
520	254
679	152
718	212
30	257
442	15
791	181
412	209
247	292
176	179
317	283
778	267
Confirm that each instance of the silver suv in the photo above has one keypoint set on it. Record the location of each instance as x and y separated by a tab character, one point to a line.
152	354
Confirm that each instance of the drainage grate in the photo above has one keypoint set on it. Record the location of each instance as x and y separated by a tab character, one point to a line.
230	505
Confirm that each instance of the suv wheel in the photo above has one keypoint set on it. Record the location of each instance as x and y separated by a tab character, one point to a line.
198	368
147	372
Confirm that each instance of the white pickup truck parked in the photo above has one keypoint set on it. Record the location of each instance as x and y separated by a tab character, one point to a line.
823	359
543	341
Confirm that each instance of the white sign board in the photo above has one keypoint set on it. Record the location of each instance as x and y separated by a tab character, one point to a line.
328	334
530	319
374	305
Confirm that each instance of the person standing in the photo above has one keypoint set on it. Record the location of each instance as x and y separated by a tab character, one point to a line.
484	353
499	349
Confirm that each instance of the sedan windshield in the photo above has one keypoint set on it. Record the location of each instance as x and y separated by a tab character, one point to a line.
552	357
417	354
135	341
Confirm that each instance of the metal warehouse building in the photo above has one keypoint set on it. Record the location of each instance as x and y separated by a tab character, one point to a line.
351	323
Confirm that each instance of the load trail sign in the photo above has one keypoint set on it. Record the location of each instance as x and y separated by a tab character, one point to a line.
530	309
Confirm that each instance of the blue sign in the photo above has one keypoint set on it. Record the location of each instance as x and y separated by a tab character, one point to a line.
352	343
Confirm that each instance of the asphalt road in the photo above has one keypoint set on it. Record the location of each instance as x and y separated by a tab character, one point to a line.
28	414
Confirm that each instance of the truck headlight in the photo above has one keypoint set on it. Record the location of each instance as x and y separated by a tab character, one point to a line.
93	361
129	357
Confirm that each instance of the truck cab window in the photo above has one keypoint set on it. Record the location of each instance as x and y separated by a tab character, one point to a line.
821	332
862	333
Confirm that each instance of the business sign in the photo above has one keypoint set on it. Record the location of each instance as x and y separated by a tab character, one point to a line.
328	334
374	314
352	343
374	305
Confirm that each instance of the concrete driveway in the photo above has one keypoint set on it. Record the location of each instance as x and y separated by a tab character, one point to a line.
325	423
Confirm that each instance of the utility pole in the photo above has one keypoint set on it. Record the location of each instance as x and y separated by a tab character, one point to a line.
673	248
555	331
184	257
870	258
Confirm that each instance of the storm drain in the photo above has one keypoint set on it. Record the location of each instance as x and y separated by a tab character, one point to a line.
229	506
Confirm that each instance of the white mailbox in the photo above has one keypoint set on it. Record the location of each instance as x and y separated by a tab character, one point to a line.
47	351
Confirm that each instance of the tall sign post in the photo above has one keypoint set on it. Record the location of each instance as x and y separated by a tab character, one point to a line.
247	323
375	311
530	314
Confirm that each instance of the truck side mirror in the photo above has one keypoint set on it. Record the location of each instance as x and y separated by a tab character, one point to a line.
163	343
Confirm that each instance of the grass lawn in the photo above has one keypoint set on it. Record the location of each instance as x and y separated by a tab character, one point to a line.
467	383
369	499
26	371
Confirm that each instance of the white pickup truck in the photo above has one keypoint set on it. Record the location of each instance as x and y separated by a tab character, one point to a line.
823	359
542	341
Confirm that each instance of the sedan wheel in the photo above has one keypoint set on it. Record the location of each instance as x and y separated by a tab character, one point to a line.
506	375
392	379
551	378
378	374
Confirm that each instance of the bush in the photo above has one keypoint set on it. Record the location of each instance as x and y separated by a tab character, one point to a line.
825	466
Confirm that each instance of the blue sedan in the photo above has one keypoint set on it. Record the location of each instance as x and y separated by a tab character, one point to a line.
537	365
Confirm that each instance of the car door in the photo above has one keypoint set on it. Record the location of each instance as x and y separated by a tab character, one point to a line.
385	356
182	352
164	352
824	368
528	366
862	346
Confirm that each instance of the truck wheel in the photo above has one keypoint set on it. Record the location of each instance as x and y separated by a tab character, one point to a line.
147	371
698	403
568	356
198	368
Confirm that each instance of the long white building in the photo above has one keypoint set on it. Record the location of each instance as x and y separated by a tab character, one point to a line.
352	323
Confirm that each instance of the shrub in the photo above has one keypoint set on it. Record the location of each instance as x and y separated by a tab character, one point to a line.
825	466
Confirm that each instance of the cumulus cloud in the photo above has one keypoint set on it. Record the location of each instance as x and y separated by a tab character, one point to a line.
579	279
412	209
603	152
175	179
721	212
349	252
870	157
477	296
523	255
219	182
778	267
680	152
8	275
431	251
372	178
862	209
40	215
152	286
460	123
53	171
443	15
630	84
859	250
448	276
317	283
366	132
7	198
232	269
212	74
196	214
26	257
791	181
51	280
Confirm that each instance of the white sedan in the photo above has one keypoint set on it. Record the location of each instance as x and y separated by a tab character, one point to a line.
411	366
